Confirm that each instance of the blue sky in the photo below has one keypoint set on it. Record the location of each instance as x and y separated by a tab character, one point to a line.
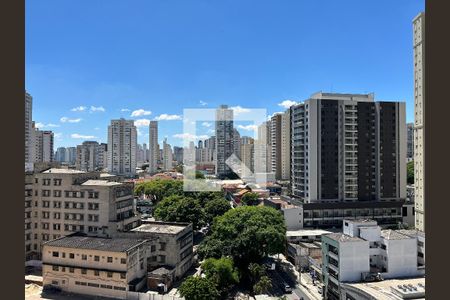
116	57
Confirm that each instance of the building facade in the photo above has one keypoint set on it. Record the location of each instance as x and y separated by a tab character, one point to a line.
224	140
153	147
41	145
167	156
95	266
88	156
122	141
28	127
409	142
65	201
348	151
419	119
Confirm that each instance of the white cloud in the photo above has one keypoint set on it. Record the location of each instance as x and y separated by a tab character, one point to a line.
189	136
239	110
67	120
79	108
96	128
203	103
98	108
124	109
248	127
166	117
212	131
142	122
287	103
206	124
57	135
80	136
42	125
140	112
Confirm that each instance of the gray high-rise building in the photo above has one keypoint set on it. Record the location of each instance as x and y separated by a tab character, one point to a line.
87	156
102	156
28	127
346	148
237	143
280	145
224	140
41	145
153	147
419	119
71	155
178	154
60	154
122	141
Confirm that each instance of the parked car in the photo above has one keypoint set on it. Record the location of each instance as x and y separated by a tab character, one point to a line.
287	288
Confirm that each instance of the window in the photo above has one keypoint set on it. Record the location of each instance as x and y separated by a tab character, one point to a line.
83	271
84	257
123	260
71	255
71	270
123	275
57	181
110	259
64	255
57	193
96	272
96	258
162	246
55	254
110	274
55	268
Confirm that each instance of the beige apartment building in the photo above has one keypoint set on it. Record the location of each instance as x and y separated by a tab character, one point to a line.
95	266
171	245
64	201
419	119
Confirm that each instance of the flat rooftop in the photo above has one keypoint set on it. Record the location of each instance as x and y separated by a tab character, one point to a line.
390	234
159	228
96	243
306	232
384	290
63	171
411	232
340	237
100	183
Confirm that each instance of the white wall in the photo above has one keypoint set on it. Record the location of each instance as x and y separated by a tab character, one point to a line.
293	217
401	258
353	260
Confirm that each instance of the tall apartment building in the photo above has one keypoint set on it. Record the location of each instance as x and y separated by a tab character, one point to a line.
178	154
153	147
348	151
236	143
280	145
144	148
103	156
60	154
122	141
64	201
167	156
410	141
88	156
41	145
247	154
224	140
28	127
419	119
71	155
263	149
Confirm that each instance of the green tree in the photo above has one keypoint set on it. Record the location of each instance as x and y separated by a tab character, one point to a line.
178	208
256	271
247	234
199	175
250	199
198	288
410	172
158	189
263	285
216	207
221	272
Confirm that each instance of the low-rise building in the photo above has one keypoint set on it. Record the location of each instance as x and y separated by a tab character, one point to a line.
305	235
95	266
364	252
171	245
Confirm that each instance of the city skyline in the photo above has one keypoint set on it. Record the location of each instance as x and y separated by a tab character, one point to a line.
78	87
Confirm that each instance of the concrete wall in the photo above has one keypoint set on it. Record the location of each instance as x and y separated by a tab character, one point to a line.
293	217
401	258
353	260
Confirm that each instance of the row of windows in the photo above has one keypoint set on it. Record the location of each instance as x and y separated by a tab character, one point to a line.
47	181
109	259
85	271
67	194
104	286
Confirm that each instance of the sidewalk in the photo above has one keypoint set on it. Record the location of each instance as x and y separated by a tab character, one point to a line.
307	286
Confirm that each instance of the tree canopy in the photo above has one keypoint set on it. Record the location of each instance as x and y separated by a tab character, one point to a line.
216	207
247	234
178	208
410	172
198	288
222	273
250	198
158	189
